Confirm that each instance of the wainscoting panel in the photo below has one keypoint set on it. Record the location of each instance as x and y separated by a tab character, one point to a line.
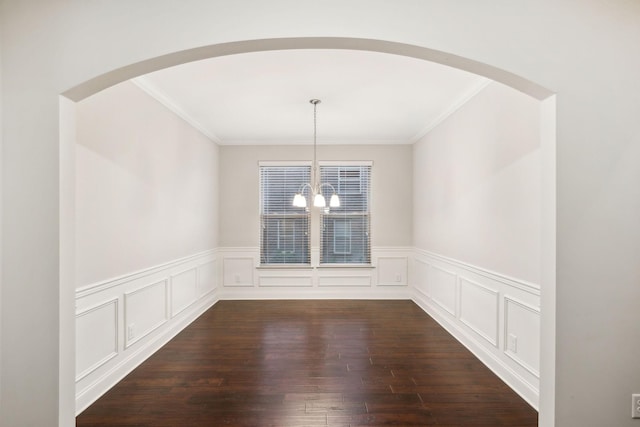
420	276
207	280
96	337
184	290
110	341
392	271
244	278
145	309
442	286
278	280
238	271
344	280
522	323
479	309
496	317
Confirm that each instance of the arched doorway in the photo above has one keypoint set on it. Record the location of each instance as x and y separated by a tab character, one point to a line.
88	88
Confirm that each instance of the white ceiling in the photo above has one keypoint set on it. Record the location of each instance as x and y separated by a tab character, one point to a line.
263	97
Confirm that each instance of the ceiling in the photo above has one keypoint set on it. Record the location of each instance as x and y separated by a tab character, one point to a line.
263	97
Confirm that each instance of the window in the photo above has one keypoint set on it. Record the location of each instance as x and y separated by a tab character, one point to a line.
344	237
284	229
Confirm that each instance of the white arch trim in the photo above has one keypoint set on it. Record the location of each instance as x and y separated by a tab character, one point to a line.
113	77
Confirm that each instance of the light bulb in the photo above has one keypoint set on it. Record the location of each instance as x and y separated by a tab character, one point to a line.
334	202
319	201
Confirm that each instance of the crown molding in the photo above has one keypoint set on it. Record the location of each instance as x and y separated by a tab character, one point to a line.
153	91
323	141
455	106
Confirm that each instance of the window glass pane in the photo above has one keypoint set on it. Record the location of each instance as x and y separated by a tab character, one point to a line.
345	230
284	237
285	240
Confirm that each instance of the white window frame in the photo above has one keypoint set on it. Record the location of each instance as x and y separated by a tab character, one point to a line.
323	237
263	216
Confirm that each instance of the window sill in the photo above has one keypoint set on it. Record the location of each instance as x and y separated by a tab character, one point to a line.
345	266
285	267
312	267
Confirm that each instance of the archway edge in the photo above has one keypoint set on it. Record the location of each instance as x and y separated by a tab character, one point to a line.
103	81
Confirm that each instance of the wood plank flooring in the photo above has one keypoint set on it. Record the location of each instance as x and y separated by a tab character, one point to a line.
311	363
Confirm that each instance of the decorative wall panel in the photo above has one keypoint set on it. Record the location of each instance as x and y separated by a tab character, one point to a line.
479	308
184	290
96	337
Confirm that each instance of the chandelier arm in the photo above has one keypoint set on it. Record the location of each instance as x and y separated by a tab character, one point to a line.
303	186
326	184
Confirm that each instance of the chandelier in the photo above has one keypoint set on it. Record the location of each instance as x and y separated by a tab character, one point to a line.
315	188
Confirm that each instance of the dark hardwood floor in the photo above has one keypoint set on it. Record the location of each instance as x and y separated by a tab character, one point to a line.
311	363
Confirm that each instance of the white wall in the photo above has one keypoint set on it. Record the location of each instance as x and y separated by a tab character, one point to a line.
146	186
477	184
477	223
391	189
583	51
146	233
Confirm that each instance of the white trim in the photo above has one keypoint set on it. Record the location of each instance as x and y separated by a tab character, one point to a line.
153	91
171	294
511	355
129	342
510	281
199	267
405	273
301	281
328	265
442	304
321	141
106	359
366	281
512	378
119	280
133	359
488	290
522	379
250	284
455	106
345	163
283	163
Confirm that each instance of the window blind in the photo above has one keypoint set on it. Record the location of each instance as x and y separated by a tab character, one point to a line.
284	229
345	231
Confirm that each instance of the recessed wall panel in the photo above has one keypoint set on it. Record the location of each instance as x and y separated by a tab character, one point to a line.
96	337
392	271
421	276
285	281
442	286
207	280
145	310
479	309
522	334
238	271
344	280
184	290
